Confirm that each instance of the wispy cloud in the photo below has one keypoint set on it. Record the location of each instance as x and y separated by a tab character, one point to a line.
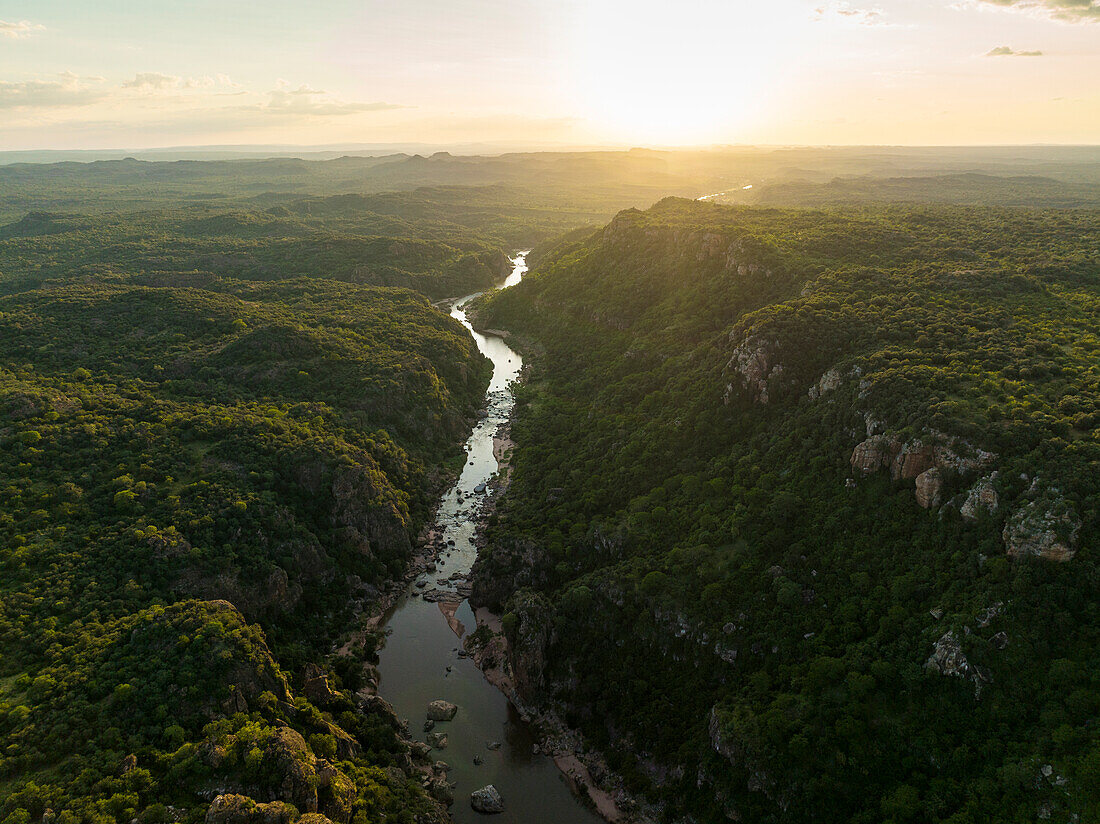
1006	51
847	13
67	90
16	30
305	100
152	82
1070	11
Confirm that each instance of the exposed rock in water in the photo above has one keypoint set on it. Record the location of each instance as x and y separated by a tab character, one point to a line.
1044	528
487	800
437	740
982	497
929	486
441	711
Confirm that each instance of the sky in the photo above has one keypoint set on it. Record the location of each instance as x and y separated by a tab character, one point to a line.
119	74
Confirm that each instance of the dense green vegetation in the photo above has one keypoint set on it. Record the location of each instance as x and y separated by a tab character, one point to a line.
563	189
193	246
226	406
207	464
751	615
984	189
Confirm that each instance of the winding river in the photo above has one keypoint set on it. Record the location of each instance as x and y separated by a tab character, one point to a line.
420	661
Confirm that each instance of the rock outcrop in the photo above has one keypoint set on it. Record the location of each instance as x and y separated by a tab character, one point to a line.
311	784
441	790
753	362
292	761
980	499
718	742
929	461
929	486
367	514
873	454
316	687
826	383
232	808
912	459
948	659
1043	528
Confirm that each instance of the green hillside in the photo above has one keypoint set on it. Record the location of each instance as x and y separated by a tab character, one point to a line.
803	518
200	490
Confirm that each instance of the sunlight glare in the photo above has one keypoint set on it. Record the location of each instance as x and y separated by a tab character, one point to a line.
697	75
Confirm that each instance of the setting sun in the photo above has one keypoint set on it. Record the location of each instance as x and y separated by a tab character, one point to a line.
699	74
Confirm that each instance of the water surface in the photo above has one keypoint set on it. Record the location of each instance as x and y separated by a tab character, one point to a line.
421	647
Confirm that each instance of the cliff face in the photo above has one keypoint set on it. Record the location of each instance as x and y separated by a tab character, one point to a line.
528	625
800	497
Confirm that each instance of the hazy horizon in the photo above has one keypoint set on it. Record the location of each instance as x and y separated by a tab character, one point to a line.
528	74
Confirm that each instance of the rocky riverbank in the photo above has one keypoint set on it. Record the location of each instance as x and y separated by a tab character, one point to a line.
583	768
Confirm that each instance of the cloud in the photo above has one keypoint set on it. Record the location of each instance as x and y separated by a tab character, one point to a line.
844	12
305	100
71	90
1005	51
16	30
153	82
1070	11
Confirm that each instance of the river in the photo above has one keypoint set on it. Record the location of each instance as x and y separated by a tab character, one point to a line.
420	663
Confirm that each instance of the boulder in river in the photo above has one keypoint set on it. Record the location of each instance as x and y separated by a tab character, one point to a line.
437	740
487	800
441	711
480	488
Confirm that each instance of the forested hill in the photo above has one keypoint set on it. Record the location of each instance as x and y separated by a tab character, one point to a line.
330	238
803	519
215	455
